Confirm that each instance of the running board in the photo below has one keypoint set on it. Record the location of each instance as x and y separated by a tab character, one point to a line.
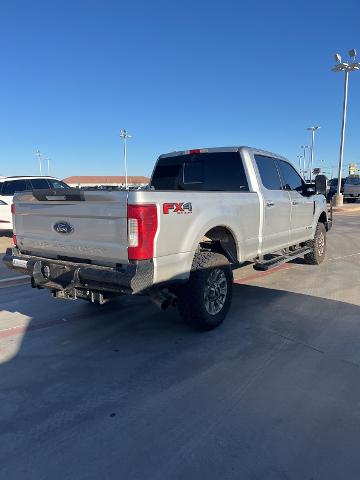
275	262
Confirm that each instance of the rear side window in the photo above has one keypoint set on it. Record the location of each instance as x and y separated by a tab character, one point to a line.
39	183
291	179
10	187
56	184
213	171
268	172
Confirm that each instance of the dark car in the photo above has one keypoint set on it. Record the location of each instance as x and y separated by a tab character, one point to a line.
333	184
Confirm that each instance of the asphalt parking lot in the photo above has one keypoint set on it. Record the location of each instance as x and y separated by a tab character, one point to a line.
123	391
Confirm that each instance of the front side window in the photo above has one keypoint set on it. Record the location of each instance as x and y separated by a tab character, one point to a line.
56	184
291	179
10	187
39	183
268	171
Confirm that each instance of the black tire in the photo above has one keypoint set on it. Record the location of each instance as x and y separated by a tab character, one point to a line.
317	245
351	200
210	276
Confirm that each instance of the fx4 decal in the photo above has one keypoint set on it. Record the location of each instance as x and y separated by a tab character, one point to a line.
185	208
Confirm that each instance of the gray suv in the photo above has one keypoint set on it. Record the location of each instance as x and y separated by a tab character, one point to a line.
352	188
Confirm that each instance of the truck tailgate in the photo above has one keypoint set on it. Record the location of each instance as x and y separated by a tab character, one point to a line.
73	224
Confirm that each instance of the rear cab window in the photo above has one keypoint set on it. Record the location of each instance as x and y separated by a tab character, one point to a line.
204	171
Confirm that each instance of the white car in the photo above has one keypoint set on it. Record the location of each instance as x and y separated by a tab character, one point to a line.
10	185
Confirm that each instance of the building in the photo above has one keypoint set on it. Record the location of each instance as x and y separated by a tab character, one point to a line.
88	181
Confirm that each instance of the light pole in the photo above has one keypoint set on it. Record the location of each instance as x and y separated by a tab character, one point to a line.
304	147
313	130
299	157
39	155
125	135
48	165
346	67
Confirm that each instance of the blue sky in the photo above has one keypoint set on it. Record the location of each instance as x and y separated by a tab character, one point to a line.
176	74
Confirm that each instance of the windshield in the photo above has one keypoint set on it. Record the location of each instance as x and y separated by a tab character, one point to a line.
353	181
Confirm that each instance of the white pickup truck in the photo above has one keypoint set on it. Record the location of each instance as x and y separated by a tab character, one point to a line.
206	212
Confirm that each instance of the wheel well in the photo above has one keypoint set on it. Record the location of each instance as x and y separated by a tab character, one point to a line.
323	219
221	240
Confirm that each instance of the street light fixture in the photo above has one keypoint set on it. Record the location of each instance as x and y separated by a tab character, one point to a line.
304	147
125	135
346	67
313	130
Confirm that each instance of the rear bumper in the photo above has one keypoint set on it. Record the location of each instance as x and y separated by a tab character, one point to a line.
5	226
61	275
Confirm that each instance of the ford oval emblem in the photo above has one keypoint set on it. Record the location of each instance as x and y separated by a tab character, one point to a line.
63	227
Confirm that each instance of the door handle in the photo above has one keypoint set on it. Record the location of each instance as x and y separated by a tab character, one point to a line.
295	202
270	203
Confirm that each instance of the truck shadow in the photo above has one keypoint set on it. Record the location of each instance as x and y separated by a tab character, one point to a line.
78	368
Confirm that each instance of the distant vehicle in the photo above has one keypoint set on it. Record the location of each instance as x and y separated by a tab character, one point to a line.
352	188
333	183
208	210
10	185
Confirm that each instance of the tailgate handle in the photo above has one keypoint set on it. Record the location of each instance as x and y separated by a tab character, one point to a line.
69	195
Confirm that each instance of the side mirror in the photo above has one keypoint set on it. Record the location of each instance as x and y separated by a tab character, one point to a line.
320	184
308	189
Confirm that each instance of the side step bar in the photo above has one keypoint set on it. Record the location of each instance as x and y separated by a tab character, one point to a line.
279	260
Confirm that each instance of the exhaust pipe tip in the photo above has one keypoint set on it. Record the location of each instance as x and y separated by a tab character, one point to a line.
159	299
165	304
163	300
173	300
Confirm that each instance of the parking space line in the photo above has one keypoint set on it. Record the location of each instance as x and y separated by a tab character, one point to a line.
8	279
344	256
22	329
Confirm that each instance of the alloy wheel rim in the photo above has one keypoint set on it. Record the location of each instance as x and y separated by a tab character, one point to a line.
321	244
215	291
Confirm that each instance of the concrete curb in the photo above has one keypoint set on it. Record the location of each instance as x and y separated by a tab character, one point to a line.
14	281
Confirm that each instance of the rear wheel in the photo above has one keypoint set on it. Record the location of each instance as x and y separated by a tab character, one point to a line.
205	300
317	246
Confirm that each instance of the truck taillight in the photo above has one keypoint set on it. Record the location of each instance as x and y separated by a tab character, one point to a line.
142	228
13	213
